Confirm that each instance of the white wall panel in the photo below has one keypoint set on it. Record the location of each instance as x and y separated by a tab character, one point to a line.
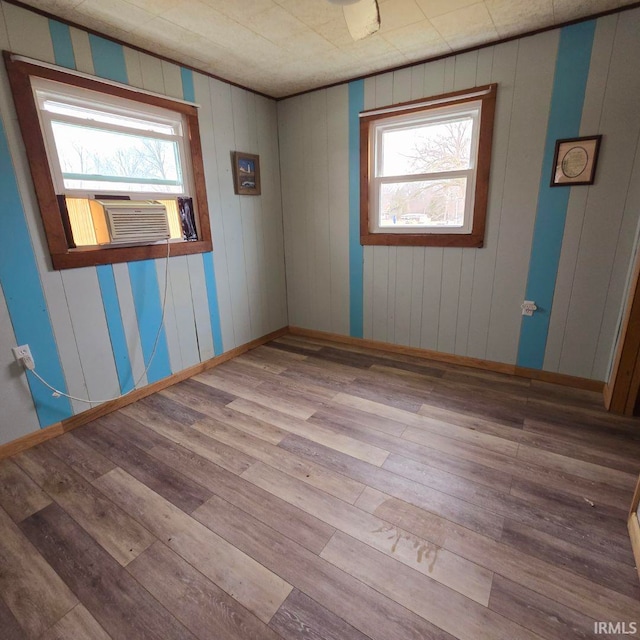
338	189
82	293
130	322
18	413
200	306
503	71
28	33
169	320
81	50
202	90
531	99
172	80
245	141
230	207
269	226
289	130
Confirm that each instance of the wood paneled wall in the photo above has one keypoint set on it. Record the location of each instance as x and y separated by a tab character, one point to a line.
467	301
248	256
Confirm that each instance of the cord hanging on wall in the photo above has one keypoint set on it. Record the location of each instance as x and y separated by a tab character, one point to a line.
29	363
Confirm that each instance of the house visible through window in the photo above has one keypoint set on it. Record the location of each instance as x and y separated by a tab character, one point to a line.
116	171
427	167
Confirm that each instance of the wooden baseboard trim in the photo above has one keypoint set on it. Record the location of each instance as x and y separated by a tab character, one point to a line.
476	363
54	430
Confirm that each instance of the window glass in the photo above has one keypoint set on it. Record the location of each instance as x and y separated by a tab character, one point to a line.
426	148
439	202
111	146
97	160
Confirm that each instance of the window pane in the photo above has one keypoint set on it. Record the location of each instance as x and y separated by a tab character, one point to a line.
93	159
86	113
434	203
427	148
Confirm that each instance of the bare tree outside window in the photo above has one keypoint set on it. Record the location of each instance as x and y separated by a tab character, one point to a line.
432	149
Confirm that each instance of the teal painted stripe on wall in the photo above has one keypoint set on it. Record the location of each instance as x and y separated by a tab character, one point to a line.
188	89
108	59
109	293
24	295
62	45
148	304
356	255
212	297
565	114
189	93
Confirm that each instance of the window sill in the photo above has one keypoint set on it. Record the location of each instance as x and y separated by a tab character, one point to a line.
91	257
423	239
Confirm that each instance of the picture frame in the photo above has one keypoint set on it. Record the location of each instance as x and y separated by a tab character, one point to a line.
575	161
246	173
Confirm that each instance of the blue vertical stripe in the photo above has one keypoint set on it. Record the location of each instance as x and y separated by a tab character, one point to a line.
62	45
108	59
212	297
189	93
24	295
111	304
356	284
148	304
188	90
565	114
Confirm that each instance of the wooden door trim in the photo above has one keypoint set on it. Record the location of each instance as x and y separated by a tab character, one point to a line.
621	391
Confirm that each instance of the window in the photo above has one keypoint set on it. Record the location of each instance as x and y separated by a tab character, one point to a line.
92	145
426	165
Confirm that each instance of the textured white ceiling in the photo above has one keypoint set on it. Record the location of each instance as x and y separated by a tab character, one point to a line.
280	47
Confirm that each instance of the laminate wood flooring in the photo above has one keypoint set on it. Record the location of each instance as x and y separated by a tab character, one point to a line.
317	491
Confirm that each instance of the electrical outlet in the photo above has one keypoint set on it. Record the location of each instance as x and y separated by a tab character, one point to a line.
23	354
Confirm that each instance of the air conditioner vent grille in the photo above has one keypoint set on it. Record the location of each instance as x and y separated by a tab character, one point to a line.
136	222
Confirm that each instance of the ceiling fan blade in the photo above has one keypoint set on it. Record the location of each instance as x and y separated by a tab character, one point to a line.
363	18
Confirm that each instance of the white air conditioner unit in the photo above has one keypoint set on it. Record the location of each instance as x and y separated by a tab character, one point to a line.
135	221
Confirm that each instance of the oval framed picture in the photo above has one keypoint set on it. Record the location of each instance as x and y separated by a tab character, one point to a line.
575	160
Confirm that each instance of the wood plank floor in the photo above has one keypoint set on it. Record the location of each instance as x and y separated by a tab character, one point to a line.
310	490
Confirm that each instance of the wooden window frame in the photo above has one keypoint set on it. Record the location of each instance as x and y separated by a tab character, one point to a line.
426	238
62	256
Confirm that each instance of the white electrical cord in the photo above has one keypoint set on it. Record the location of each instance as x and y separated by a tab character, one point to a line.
57	393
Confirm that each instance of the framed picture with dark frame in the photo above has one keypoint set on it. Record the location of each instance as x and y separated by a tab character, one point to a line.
575	160
246	173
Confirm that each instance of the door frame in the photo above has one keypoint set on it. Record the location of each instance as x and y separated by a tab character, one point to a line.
621	391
